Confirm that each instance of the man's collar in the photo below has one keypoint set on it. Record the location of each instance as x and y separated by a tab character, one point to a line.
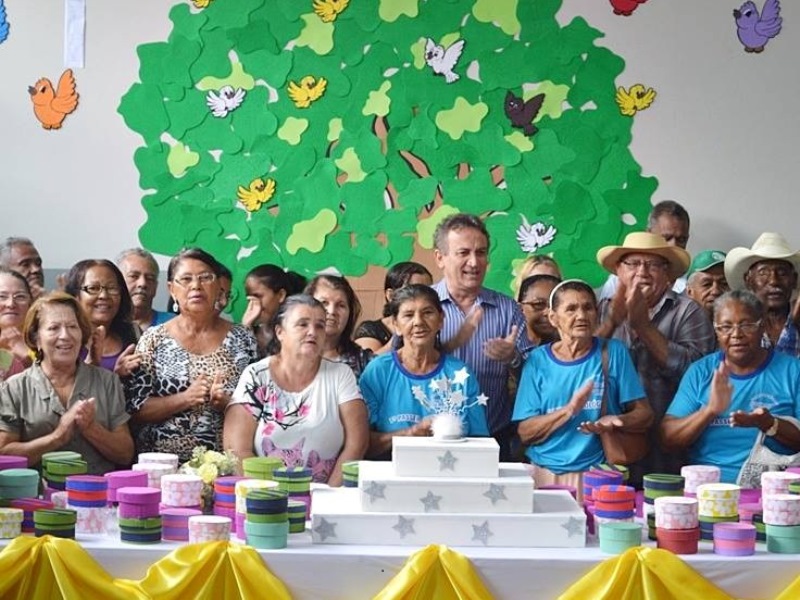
485	296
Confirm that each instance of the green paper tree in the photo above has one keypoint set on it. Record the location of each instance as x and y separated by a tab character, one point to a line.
390	147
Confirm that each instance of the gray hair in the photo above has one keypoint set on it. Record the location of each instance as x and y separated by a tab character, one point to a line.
744	297
455	223
8	244
140	252
274	346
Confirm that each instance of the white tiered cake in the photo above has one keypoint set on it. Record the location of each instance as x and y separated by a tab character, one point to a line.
439	492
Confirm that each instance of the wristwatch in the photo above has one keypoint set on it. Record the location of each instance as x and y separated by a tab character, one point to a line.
773	428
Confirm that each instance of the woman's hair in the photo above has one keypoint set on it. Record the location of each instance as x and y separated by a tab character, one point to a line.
346	343
196	254
276	279
530	263
412	292
744	297
33	320
575	285
121	324
399	275
531	281
274	345
20	278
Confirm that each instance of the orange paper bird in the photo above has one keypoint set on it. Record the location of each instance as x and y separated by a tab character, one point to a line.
51	106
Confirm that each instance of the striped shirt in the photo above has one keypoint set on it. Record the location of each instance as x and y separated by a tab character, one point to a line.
499	314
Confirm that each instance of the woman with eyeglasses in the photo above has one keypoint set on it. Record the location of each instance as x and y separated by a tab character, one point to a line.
103	294
15	300
189	365
61	403
727	397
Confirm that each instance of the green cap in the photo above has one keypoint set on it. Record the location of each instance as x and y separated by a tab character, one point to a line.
706	259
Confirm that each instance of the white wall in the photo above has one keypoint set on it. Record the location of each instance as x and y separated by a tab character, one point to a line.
722	137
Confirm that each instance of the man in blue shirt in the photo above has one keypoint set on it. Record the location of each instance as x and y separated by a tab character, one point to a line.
483	328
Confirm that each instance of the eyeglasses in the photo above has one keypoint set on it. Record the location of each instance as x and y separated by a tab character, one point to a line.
203	278
649	265
535	304
780	271
15	298
746	327
96	289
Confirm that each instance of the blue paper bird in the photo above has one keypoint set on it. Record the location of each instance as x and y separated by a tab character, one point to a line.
3	22
754	29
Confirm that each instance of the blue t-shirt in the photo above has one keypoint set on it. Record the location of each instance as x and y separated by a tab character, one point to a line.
547	384
388	390
160	317
775	386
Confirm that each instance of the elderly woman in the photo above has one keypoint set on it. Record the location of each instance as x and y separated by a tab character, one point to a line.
189	365
342	310
377	335
103	293
297	405
61	403
562	386
399	387
15	300
725	398
266	287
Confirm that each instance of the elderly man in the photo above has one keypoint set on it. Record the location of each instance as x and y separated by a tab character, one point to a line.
664	331
706	279
140	270
20	255
669	220
769	270
490	326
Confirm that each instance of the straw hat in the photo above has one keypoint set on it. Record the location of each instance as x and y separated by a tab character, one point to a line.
768	246
649	243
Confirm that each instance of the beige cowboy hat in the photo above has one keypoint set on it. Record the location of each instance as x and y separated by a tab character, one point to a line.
650	243
768	246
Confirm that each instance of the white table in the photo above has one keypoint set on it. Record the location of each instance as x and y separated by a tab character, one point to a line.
318	572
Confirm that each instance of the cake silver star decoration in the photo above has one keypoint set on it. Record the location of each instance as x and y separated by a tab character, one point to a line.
573	526
481	533
448	396
375	490
404	526
430	501
325	529
447	462
496	493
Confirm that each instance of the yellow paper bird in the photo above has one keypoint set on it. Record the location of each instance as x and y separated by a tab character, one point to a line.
257	193
328	10
309	90
201	3
635	99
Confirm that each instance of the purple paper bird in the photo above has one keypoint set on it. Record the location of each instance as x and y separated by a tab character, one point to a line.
756	30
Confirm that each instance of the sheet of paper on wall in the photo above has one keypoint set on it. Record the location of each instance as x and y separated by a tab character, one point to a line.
74	33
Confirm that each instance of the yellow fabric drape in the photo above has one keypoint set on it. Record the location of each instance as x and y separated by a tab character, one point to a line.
48	568
436	572
212	571
644	574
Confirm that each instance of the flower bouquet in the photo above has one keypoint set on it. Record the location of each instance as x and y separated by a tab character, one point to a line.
208	465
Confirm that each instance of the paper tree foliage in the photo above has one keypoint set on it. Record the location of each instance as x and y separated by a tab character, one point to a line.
386	147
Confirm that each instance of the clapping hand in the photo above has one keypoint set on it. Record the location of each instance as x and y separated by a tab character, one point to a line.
503	348
198	392
604	424
96	346
580	398
760	418
127	362
219	397
719	398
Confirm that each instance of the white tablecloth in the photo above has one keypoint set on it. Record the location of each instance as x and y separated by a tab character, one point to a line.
319	572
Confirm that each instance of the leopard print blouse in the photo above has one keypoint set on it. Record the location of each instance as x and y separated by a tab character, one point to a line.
166	369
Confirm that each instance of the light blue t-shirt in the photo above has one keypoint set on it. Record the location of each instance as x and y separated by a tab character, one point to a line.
160	317
775	386
388	390
547	384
